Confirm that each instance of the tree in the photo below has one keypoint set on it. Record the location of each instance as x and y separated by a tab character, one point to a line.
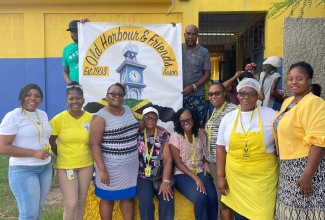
278	8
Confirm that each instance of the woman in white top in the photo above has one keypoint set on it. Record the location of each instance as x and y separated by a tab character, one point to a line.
248	172
24	136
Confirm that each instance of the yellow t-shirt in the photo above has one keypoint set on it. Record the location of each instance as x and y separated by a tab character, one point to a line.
301	127
73	140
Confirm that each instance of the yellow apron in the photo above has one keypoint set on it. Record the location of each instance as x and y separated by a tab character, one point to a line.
252	180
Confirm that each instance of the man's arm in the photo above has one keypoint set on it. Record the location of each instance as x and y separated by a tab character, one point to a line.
274	92
66	73
205	78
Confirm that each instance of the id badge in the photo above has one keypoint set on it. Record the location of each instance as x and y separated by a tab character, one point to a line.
147	171
70	174
246	152
48	149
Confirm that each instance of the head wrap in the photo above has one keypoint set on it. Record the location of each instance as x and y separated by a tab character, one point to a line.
249	82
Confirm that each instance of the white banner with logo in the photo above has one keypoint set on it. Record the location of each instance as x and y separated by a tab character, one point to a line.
145	58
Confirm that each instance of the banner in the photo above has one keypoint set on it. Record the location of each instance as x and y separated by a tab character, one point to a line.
146	59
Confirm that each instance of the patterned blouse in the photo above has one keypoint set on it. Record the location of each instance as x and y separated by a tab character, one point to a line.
212	128
184	147
278	119
143	163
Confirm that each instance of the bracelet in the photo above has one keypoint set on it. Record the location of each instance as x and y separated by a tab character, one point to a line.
205	161
194	86
167	181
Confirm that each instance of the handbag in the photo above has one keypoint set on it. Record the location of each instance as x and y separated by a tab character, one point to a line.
158	170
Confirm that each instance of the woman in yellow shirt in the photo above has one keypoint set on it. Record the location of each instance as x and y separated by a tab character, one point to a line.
70	142
300	130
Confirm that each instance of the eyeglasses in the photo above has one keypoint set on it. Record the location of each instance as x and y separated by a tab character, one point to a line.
216	93
247	94
150	118
188	121
74	86
113	94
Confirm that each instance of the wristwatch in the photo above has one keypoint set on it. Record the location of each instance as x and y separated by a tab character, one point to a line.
167	181
194	86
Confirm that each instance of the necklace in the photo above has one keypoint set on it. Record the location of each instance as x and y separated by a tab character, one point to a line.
36	124
192	151
212	119
246	152
149	155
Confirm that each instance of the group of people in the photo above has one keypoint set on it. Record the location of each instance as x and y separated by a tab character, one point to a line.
231	164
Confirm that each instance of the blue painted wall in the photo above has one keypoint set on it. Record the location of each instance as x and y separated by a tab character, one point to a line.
45	72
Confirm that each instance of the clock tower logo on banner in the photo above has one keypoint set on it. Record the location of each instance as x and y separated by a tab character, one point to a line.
131	72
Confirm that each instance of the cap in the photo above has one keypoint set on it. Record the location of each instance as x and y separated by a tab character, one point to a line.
73	25
274	61
149	109
249	82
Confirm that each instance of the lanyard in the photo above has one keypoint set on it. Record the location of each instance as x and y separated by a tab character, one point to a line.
193	148
212	119
250	124
149	156
35	124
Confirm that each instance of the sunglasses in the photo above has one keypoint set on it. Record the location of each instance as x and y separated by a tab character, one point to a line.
74	86
113	94
188	121
150	118
216	93
247	94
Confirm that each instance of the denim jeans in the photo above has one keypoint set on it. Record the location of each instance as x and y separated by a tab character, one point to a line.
205	205
239	217
30	186
146	192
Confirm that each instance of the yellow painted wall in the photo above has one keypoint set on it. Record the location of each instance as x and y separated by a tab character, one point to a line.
35	31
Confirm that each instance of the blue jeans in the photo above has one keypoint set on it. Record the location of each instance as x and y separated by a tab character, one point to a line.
146	192
205	206
239	217
30	186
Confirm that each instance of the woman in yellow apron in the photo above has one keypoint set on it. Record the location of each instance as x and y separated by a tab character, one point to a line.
247	167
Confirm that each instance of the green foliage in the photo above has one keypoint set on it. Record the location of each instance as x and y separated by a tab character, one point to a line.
8	205
278	8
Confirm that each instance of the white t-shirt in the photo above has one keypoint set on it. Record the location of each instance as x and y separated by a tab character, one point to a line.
268	98
26	135
227	123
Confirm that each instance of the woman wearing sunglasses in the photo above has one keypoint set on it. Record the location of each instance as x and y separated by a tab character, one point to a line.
113	140
217	96
154	151
192	170
247	167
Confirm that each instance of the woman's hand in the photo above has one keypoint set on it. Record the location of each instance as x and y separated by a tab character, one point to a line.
104	177
199	185
306	186
207	168
41	154
166	191
222	185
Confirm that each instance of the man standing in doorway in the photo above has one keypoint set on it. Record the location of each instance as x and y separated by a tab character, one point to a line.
196	71
70	60
269	80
